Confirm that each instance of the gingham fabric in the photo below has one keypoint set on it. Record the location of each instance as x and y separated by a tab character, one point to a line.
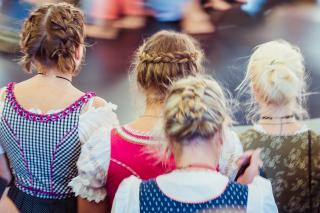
42	149
152	199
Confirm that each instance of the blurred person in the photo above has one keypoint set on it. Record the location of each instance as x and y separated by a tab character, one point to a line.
112	15
253	7
45	119
163	58
196	118
276	84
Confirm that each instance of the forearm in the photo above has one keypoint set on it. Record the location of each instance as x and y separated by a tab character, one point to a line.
85	206
5	172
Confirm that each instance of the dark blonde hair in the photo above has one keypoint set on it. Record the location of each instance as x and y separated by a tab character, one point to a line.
51	36
196	107
165	57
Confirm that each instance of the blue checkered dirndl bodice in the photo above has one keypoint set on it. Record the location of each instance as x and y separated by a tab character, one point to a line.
42	149
152	199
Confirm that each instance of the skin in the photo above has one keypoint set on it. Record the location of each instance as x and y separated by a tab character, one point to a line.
208	152
272	127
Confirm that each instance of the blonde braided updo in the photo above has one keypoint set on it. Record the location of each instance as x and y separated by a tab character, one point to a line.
51	36
195	108
165	57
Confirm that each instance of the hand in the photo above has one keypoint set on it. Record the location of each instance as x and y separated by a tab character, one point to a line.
253	169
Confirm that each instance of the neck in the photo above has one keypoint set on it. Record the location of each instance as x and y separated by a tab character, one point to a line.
198	154
55	75
276	111
154	109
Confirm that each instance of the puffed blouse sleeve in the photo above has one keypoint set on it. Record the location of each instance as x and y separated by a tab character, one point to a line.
127	197
231	151
95	132
260	197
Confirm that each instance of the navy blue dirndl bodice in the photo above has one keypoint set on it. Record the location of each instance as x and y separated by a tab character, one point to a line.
42	149
152	199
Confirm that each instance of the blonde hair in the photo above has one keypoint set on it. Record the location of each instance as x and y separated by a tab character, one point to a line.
51	36
163	58
196	107
276	71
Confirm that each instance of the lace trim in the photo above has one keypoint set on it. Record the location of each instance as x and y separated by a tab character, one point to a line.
135	138
45	117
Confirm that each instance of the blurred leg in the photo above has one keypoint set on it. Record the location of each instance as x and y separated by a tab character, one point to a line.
105	13
195	19
134	15
219	5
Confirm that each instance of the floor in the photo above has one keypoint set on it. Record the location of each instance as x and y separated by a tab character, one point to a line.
108	61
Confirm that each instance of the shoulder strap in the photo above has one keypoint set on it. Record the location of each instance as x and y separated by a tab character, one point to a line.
310	169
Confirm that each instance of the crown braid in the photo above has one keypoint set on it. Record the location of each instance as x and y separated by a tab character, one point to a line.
164	58
174	57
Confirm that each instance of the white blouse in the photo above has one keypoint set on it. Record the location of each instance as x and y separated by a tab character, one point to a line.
89	122
95	155
192	187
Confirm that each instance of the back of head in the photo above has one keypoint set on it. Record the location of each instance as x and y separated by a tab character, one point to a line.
51	36
165	57
195	109
276	74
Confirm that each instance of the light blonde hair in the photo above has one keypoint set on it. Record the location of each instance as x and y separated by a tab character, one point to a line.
276	71
163	58
196	108
50	37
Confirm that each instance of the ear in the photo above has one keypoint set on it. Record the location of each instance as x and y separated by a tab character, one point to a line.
79	52
218	137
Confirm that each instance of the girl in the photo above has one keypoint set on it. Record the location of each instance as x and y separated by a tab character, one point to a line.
45	119
162	59
276	82
195	120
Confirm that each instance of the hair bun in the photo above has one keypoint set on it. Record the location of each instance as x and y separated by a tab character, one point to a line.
195	107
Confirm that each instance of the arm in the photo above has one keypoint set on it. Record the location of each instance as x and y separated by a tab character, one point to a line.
85	206
4	168
6	205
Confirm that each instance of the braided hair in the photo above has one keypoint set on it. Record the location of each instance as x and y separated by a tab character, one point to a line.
165	57
195	108
51	36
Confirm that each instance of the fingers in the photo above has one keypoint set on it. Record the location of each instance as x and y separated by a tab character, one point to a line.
244	157
255	158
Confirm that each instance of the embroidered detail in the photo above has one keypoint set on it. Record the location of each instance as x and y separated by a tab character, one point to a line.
138	139
45	117
125	166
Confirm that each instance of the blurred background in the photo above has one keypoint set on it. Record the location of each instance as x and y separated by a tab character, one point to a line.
227	30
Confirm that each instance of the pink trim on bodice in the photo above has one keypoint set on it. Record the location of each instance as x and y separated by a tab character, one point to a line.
44	117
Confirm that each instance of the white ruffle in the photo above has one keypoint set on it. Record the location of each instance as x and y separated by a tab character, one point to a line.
231	151
92	166
95	118
91	194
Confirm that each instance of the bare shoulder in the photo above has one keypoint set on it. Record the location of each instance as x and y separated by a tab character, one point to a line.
99	102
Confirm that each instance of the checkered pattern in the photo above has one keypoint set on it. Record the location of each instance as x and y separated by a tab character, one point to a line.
42	155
